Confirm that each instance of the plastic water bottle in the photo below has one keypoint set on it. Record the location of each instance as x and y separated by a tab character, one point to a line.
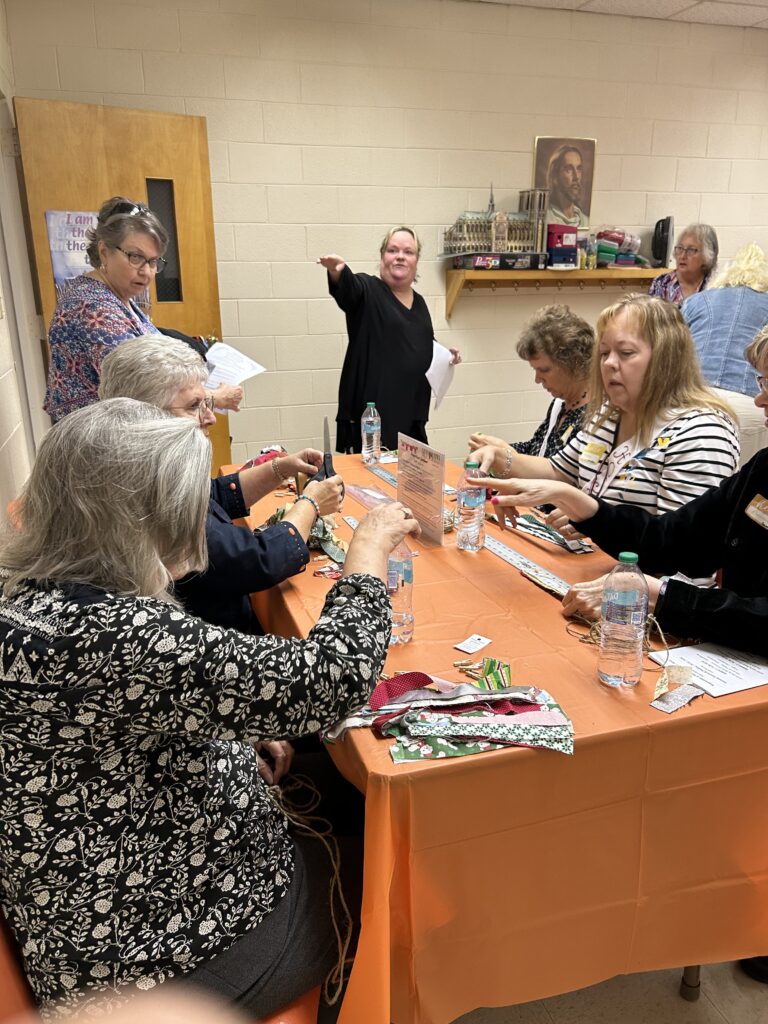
400	590
622	626
370	425
470	511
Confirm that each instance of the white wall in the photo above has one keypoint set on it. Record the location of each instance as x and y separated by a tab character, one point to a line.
330	120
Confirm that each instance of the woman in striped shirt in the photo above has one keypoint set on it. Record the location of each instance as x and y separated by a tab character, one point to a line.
654	435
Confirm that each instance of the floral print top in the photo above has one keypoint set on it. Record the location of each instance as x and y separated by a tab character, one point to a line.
138	839
569	423
667	286
88	322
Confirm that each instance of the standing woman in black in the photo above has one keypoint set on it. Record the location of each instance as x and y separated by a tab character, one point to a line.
390	343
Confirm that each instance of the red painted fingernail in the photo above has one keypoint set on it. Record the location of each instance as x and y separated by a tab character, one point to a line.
494	500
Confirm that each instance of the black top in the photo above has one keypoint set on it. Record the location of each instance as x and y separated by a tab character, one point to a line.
725	528
389	353
138	839
570	423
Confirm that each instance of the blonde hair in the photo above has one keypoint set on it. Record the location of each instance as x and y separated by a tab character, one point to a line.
393	231
748	270
117	497
756	351
673	378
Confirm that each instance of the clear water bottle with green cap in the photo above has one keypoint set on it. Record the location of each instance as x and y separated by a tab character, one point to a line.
370	426
622	623
470	510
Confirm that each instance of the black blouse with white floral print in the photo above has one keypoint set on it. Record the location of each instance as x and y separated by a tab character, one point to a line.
137	838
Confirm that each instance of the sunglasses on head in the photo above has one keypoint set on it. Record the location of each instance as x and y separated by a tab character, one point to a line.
125	209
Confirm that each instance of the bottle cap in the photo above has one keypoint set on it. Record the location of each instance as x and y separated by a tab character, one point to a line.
629	557
370	404
470	464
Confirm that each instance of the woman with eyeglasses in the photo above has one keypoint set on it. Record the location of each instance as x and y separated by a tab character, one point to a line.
723	528
98	310
695	258
723	320
653	434
166	373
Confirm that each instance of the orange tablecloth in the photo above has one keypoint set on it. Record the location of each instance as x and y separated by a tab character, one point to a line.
518	874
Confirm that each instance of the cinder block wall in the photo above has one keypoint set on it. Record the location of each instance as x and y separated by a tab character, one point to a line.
330	120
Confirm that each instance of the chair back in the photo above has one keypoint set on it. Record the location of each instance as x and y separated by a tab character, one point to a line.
15	994
301	1011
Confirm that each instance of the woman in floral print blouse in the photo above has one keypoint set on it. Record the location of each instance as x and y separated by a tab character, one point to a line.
98	310
138	840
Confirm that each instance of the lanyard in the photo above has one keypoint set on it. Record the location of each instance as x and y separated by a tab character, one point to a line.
554	414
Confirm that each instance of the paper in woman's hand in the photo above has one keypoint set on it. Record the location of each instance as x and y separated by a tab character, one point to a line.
228	366
440	372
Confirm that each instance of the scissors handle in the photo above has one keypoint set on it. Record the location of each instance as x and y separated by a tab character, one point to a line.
326	470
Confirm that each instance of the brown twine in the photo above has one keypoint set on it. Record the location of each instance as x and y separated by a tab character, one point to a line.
298	810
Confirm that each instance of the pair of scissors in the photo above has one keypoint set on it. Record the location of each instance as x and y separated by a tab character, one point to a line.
326	470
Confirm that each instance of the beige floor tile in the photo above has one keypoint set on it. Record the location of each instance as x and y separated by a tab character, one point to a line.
737	997
650	998
727	997
526	1013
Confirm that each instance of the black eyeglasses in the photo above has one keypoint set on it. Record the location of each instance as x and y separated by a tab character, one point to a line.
687	249
155	263
762	383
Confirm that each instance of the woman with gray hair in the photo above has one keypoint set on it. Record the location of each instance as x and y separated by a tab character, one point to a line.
98	310
558	346
695	260
139	842
168	374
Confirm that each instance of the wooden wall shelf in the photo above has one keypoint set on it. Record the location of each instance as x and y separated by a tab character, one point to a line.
625	277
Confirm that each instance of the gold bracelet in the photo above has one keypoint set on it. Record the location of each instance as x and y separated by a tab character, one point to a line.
276	470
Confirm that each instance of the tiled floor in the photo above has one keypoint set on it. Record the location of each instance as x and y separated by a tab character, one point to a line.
727	997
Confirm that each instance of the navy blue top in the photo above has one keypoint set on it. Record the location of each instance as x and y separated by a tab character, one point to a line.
240	562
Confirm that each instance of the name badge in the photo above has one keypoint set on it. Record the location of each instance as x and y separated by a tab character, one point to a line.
593	452
757	510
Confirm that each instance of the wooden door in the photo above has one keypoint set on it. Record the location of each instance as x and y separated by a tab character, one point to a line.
76	155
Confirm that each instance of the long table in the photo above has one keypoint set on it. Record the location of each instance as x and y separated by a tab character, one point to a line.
518	874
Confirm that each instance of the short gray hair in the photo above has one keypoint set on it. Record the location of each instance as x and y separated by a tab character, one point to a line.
117	498
706	239
117	218
152	368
